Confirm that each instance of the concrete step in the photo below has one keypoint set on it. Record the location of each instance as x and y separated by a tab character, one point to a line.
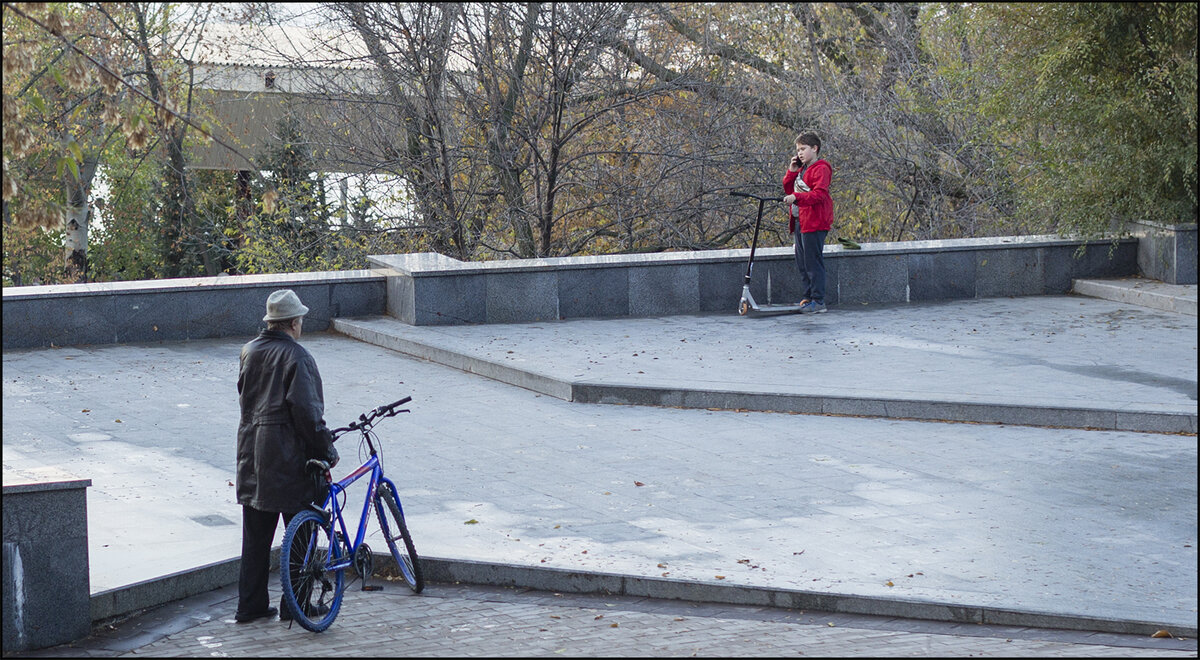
1180	298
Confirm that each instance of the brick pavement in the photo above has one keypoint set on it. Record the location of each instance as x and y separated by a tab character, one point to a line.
468	620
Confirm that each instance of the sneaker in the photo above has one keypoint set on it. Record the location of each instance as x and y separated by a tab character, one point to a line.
812	307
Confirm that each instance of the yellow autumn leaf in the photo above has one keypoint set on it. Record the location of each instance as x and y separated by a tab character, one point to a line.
471	522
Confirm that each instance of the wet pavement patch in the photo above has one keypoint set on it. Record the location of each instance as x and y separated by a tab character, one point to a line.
213	520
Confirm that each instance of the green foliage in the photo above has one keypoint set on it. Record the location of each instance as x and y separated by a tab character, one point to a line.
32	255
1100	100
300	232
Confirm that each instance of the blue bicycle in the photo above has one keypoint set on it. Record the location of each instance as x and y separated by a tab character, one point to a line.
317	549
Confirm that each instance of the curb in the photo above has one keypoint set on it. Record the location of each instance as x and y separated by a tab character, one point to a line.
1145	421
124	601
1141	292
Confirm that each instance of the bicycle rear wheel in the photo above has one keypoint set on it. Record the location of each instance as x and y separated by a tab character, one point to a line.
399	541
311	591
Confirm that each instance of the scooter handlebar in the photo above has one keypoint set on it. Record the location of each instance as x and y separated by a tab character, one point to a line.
739	193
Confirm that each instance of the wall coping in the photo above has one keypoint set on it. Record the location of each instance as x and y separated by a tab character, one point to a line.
36	480
186	284
430	264
1182	226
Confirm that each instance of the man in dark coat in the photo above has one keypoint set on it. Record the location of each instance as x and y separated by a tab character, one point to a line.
282	426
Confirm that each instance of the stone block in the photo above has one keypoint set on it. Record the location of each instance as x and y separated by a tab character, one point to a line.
872	278
401	293
664	290
1008	272
946	275
357	299
720	286
450	300
1062	264
522	296
45	571
592	293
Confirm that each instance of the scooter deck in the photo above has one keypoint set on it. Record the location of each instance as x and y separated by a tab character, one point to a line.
769	310
748	307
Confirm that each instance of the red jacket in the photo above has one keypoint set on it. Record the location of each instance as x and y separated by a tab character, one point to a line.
815	206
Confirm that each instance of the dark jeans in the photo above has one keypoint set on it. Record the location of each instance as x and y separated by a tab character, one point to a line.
810	261
258	533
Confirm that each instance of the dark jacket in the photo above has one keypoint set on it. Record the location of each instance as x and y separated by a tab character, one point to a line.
282	423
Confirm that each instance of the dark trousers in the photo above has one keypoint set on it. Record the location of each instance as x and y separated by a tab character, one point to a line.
810	261
258	533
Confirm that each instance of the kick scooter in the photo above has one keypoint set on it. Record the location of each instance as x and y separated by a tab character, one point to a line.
748	306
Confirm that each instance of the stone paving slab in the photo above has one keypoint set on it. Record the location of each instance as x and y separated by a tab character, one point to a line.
1088	523
455	620
1046	360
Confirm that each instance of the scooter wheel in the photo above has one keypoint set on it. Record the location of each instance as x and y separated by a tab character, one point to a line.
743	307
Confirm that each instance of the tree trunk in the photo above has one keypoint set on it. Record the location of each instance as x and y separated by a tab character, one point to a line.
75	224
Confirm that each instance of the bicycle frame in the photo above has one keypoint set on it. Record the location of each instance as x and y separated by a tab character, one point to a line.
375	469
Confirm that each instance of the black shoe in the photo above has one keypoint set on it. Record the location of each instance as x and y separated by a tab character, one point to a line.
247	618
285	614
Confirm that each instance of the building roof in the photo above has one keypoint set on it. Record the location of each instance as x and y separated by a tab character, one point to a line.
277	45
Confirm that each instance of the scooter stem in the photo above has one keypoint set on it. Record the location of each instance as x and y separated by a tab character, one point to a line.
754	243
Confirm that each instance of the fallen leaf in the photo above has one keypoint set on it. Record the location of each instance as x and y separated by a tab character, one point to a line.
584	552
638	483
679	618
889	583
613	626
830	624
555	616
117	421
557	526
1162	633
666	573
743	561
719	577
85	410
598	617
662	565
230	483
471	522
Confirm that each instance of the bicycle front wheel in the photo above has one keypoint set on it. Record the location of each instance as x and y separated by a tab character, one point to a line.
311	590
399	541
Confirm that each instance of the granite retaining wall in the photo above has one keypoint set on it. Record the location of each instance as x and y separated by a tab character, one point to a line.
431	289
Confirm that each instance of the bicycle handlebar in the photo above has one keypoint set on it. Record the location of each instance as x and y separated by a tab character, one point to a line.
366	419
739	193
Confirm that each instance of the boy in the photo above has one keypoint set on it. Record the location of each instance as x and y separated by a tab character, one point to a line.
810	216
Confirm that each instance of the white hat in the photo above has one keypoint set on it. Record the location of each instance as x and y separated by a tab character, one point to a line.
284	304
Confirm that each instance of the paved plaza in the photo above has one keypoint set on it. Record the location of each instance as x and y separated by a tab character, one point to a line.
449	620
1064	520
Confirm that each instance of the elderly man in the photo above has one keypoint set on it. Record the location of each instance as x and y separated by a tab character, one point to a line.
282	426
